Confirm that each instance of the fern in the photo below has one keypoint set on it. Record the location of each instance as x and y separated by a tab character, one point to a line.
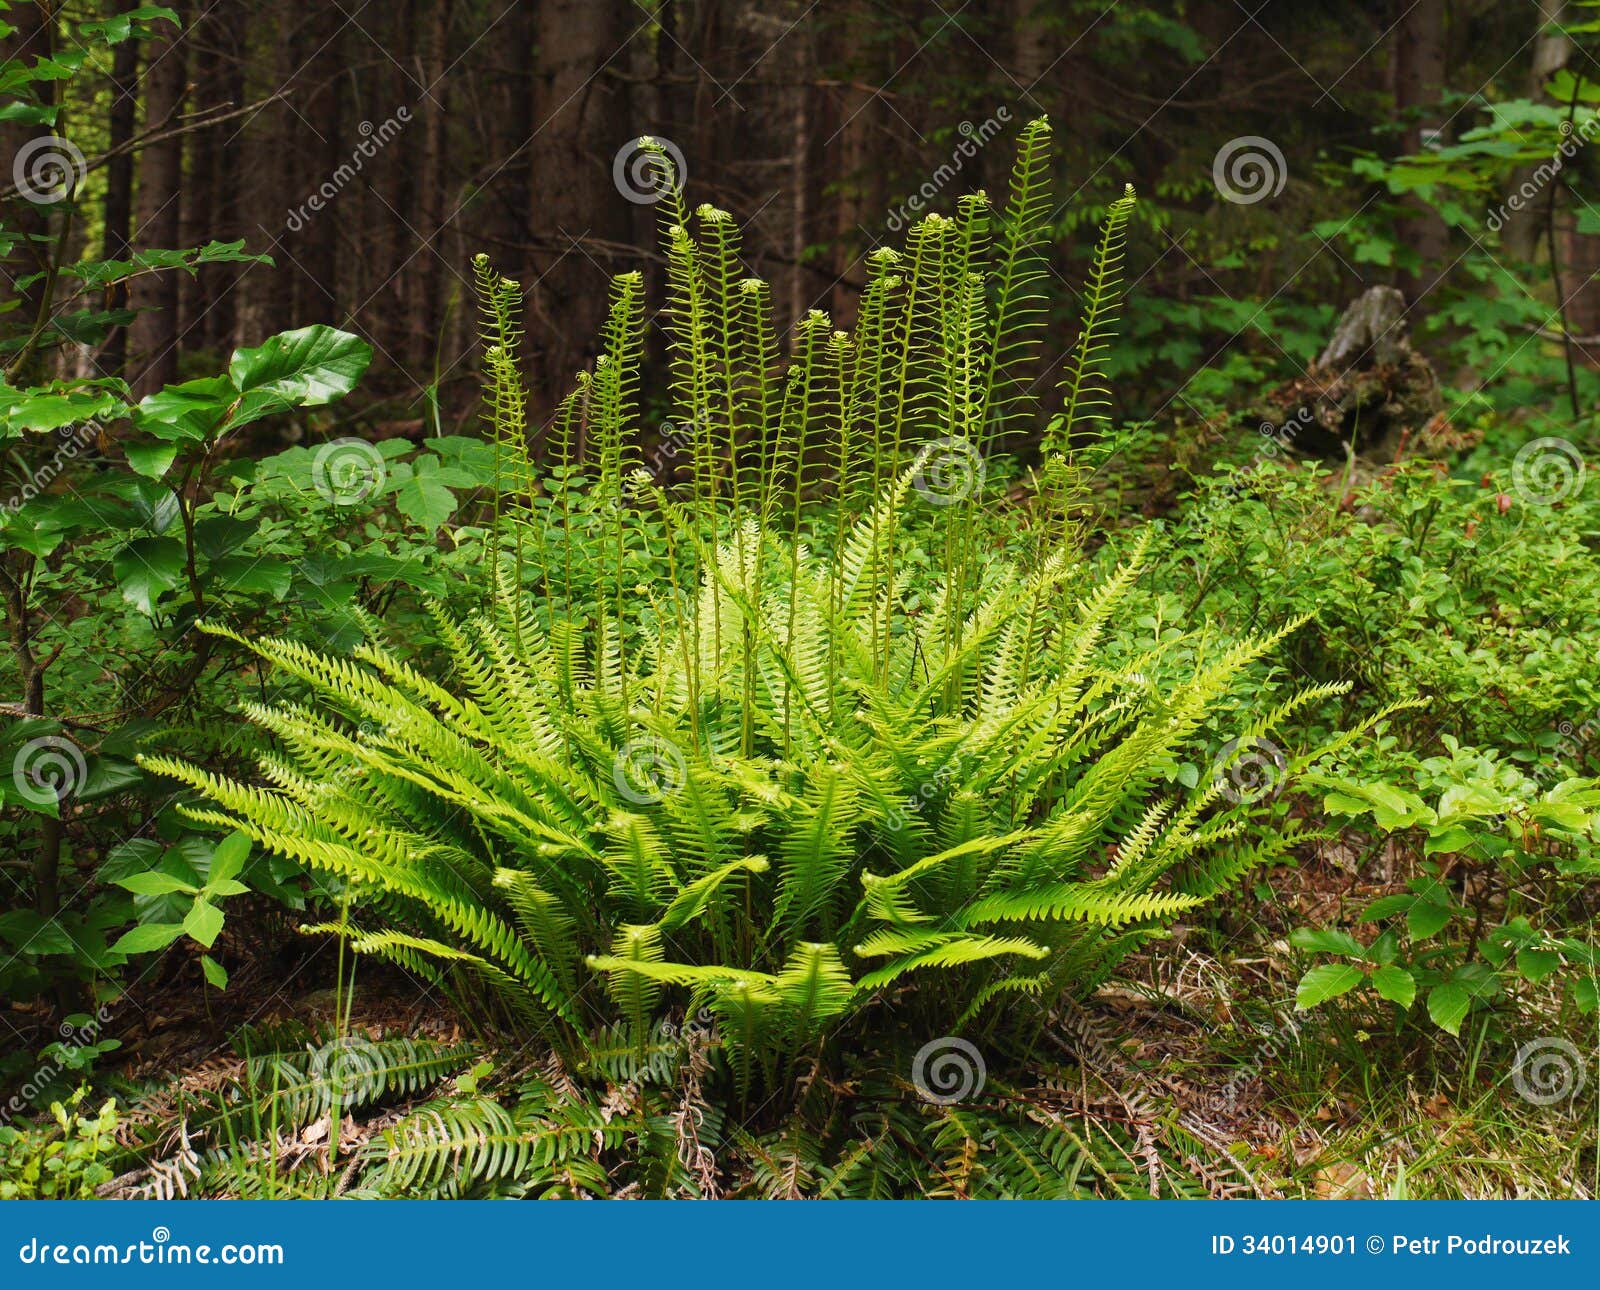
825	768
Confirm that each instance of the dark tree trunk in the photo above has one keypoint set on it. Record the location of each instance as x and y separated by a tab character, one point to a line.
160	211
32	36
294	163
581	119
1418	70
218	284
1525	229
321	125
119	183
429	213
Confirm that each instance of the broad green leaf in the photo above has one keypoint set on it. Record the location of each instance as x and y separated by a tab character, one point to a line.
218	536
1561	814
40	410
133	856
1328	941
270	576
1478	979
1471	801
1395	809
153	883
423	499
1327	981
297	369
1345	804
1448	841
151	460
29	113
32	529
215	973
203	922
1537	964
228	860
146	568
29	931
108	775
1426	919
147	937
1396	985
194	410
1448	1005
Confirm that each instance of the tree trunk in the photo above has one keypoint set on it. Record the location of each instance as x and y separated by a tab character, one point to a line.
154	335
119	184
32	36
581	119
1417	67
429	213
218	283
1524	229
801	172
297	180
1033	54
320	104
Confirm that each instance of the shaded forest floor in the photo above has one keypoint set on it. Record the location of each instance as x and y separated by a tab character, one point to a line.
1195	1061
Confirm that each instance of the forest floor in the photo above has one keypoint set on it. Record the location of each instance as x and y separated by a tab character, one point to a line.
1202	1036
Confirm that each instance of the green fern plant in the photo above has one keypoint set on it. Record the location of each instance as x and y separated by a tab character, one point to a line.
265	1129
817	769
